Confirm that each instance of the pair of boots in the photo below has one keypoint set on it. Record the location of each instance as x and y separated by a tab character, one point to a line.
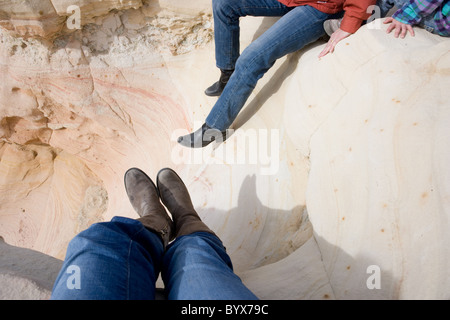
146	198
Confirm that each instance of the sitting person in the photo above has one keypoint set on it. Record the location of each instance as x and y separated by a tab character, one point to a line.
433	16
301	23
121	259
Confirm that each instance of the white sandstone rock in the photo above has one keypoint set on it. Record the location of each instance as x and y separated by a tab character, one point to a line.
347	168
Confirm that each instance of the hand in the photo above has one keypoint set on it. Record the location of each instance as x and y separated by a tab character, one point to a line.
401	29
337	36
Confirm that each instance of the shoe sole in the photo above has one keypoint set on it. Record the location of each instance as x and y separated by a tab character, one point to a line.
213	94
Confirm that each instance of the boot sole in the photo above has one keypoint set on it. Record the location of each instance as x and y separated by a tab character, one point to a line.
214	94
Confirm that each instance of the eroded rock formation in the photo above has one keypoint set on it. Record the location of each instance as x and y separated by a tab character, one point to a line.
337	166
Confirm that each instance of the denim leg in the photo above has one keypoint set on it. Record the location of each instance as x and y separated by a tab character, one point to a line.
117	260
297	28
226	25
197	267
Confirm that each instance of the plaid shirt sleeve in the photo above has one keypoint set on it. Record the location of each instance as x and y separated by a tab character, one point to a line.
413	11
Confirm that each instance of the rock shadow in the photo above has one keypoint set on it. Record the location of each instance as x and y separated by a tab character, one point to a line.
273	85
37	267
275	251
253	233
279	256
357	277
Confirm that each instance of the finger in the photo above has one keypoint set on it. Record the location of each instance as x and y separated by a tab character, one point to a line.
403	31
332	46
411	30
324	52
398	29
388	20
390	28
328	48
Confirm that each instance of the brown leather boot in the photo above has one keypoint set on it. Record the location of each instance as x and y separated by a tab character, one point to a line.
144	198
177	200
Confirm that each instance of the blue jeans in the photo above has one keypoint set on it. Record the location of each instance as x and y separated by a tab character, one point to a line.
297	27
428	23
121	260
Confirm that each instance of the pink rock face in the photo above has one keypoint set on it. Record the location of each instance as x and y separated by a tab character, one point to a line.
91	116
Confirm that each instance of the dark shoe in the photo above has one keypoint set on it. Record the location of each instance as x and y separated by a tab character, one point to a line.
177	200
217	88
144	198
202	137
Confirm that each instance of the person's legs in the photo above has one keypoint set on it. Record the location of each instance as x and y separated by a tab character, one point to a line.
120	259
299	27
226	25
196	266
227	32
114	260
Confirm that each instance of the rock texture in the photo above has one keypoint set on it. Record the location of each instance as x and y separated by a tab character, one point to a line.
334	181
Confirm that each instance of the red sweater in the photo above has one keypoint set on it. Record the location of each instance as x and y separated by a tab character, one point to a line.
355	10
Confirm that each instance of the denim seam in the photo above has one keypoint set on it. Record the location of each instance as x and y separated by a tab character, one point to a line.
132	236
128	269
